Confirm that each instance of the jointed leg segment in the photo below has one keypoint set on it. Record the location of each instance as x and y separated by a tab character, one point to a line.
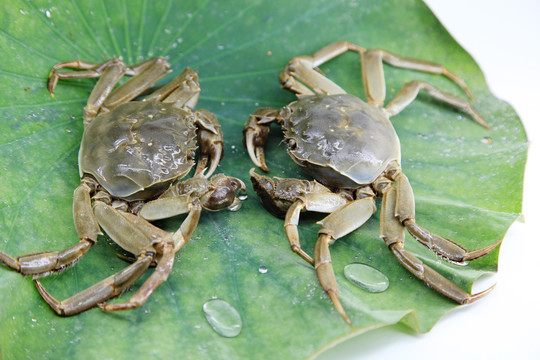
392	231
405	212
135	235
303	70
339	223
302	77
43	263
347	213
103	98
410	91
106	289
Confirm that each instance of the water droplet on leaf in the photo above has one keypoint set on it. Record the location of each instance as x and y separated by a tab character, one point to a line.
223	317
366	277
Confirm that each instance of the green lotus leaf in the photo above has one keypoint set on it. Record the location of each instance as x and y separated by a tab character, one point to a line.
467	180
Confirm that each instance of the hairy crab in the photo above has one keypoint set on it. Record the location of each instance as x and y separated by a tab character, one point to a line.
352	150
132	157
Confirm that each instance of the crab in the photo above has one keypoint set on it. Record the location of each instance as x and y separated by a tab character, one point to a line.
352	151
132	159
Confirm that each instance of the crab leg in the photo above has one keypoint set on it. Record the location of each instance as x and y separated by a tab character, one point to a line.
160	275
339	223
393	234
410	91
135	235
256	133
144	75
106	289
303	70
183	90
373	74
325	202
92	71
130	232
165	207
164	265
110	72
291	229
405	212
41	264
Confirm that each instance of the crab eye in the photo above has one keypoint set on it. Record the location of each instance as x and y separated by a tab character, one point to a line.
190	155
292	144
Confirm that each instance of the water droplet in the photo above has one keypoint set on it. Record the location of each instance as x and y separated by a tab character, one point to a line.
487	140
366	277
263	269
223	317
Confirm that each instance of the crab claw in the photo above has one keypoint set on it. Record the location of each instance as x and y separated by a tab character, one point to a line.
256	134
278	194
210	139
256	153
224	192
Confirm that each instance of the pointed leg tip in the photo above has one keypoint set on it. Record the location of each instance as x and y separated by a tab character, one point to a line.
476	254
469	93
478	118
55	305
481	294
337	304
51	90
41	289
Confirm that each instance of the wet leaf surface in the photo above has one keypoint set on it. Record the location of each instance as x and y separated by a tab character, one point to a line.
467	180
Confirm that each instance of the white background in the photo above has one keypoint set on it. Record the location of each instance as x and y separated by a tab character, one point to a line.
504	39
